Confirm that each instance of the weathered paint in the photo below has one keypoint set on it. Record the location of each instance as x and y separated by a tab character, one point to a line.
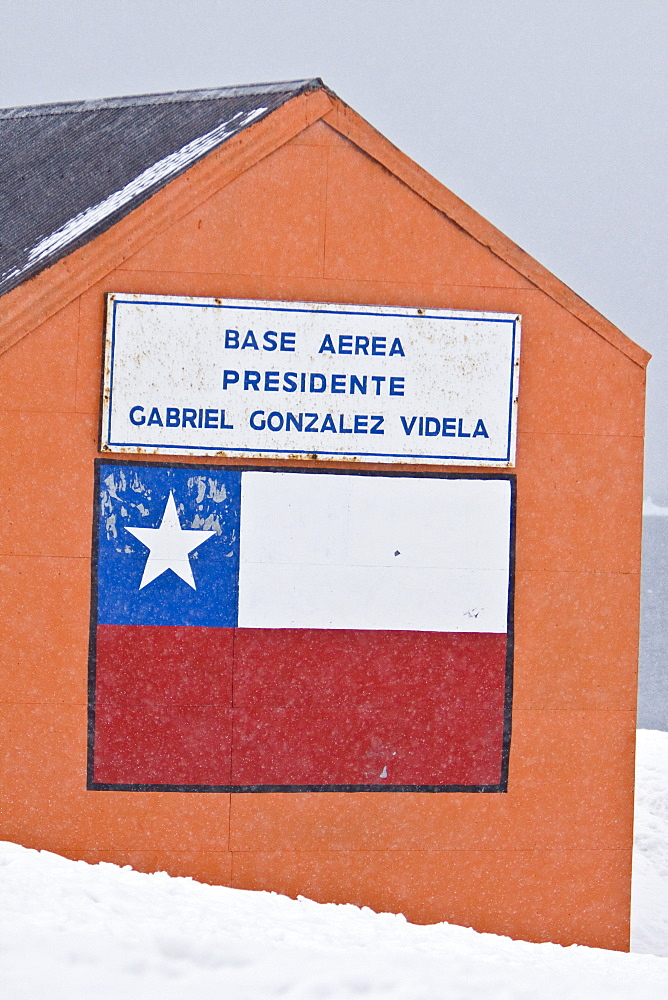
317	217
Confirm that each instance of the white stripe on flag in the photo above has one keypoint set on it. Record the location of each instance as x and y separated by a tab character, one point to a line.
374	552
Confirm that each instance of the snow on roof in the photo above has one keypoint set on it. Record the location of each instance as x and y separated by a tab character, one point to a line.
70	171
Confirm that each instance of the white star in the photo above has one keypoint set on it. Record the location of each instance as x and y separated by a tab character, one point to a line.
169	546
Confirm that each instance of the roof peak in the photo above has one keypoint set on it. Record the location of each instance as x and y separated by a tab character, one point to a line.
172	97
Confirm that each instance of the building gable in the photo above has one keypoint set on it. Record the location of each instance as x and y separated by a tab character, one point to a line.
30	303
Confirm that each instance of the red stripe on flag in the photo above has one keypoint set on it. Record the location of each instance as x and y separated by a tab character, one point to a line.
311	706
348	707
163	705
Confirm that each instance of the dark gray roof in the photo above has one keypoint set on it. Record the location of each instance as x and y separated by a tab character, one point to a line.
70	171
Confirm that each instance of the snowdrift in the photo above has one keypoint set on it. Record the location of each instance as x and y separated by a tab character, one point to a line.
73	931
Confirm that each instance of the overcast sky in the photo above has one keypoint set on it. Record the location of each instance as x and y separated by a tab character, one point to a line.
549	117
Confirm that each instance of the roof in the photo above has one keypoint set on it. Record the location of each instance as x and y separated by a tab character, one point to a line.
70	171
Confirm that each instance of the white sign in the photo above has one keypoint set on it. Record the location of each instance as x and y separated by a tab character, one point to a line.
239	378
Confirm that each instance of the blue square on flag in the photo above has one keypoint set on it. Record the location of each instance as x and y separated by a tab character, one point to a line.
168	545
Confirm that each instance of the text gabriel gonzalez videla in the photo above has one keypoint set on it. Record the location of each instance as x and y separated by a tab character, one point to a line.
311	382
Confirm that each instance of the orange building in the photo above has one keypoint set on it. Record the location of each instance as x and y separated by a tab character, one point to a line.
282	193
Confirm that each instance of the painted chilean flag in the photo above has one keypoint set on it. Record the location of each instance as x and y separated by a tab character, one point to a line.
283	631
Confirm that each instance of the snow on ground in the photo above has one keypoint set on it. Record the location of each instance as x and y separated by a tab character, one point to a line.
649	907
72	931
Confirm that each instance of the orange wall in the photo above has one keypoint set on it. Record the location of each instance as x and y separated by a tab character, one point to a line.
550	860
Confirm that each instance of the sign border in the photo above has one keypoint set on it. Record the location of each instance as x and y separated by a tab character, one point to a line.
107	445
